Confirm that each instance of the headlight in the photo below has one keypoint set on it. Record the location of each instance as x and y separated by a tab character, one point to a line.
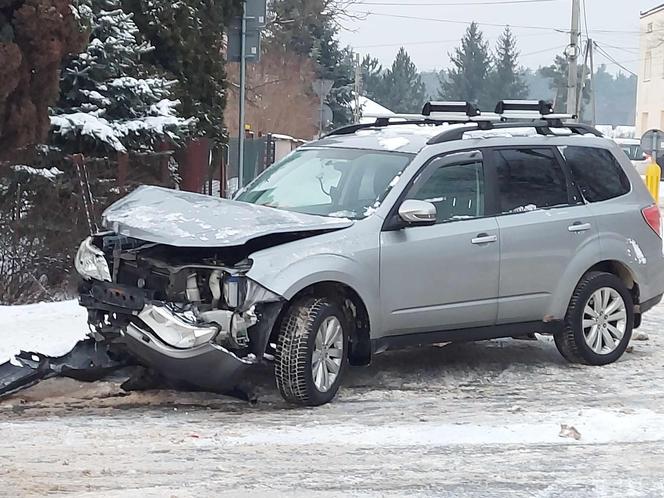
91	263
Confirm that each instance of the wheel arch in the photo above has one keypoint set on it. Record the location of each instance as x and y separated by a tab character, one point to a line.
356	312
620	270
575	274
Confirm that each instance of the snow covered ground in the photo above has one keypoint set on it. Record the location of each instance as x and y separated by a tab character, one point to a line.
497	418
48	328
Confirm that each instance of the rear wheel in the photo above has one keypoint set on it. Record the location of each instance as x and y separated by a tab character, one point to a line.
599	321
311	351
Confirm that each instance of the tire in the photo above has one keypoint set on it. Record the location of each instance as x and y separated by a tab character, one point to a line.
297	348
593	338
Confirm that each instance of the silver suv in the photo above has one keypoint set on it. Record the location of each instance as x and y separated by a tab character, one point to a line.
449	226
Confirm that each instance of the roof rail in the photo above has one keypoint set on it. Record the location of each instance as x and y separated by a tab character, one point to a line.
542	127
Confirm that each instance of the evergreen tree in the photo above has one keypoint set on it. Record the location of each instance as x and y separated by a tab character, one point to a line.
109	99
506	79
309	28
188	36
404	90
467	80
372	79
557	75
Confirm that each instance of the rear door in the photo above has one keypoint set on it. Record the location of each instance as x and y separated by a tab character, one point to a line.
543	223
443	276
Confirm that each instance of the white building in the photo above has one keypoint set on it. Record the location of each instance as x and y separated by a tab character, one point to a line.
650	98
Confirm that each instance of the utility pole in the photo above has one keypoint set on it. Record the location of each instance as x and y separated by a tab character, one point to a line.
358	88
572	53
593	100
581	85
243	82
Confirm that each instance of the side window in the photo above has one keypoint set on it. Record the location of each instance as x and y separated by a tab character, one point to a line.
455	187
597	172
529	179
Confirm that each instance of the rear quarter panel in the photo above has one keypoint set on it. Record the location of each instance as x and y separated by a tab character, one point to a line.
626	237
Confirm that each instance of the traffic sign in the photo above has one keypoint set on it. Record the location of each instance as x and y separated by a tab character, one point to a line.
256	12
234	46
652	141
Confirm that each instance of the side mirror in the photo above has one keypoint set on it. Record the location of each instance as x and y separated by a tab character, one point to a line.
417	213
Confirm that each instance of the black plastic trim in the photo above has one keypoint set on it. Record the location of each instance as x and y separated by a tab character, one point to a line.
464	335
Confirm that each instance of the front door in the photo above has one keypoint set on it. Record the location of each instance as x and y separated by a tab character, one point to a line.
543	224
443	276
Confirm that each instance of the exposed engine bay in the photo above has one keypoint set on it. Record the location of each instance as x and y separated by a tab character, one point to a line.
172	301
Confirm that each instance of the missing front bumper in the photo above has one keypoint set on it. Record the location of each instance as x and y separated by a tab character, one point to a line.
206	350
208	366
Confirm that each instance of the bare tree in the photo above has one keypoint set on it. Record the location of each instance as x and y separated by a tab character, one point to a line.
279	95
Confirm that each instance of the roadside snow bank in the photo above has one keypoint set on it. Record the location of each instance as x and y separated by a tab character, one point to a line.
594	426
48	328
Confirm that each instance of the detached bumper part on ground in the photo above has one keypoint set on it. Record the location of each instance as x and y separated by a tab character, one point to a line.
87	361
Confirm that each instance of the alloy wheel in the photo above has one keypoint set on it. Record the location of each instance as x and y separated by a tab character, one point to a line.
604	320
328	353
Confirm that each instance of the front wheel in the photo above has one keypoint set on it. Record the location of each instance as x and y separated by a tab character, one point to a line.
311	351
599	321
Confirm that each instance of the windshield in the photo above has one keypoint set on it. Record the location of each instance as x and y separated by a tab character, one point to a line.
346	183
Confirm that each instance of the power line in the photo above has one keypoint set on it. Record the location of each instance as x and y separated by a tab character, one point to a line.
585	18
544	50
406	44
456	21
628	50
611	59
431	42
446	4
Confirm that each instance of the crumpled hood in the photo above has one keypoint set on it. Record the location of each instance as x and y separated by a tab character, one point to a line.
185	219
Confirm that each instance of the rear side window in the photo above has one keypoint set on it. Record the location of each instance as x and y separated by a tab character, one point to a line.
529	179
597	173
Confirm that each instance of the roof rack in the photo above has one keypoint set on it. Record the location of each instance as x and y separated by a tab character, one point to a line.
530	109
433	113
538	114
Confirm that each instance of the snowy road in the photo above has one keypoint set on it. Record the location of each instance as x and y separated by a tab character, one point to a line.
470	419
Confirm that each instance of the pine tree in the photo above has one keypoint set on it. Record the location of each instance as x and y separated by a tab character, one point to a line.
557	75
468	78
109	99
405	92
372	79
188	36
506	79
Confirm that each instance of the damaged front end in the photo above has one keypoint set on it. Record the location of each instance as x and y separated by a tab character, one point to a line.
189	313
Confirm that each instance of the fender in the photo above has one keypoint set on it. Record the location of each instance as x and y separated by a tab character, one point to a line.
349	257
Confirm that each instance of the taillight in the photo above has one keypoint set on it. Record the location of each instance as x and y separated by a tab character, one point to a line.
653	218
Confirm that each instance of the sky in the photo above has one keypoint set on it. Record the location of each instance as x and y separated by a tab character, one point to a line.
418	26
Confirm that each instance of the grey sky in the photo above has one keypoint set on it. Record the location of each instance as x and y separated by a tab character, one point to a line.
613	23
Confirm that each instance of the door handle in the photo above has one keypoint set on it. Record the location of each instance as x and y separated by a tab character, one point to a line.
484	238
579	227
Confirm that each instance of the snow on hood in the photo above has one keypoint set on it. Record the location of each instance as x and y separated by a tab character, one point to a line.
185	219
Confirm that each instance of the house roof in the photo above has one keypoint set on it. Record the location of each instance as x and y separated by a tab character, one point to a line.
652	11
